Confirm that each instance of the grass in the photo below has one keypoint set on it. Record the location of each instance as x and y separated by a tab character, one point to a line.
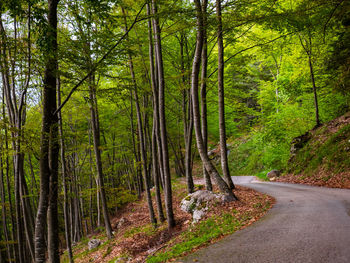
332	154
262	175
148	229
201	234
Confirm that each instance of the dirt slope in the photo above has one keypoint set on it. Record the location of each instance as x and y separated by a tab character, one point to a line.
324	158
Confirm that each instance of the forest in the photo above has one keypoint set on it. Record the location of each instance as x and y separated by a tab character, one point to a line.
106	101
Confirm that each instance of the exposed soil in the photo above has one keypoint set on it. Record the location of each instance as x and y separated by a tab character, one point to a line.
134	242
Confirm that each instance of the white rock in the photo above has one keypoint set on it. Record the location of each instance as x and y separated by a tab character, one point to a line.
94	243
198	214
198	203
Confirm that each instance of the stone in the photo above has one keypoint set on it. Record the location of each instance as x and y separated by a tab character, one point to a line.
94	243
199	202
273	173
199	214
299	142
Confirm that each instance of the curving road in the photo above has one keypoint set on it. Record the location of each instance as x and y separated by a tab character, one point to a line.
307	224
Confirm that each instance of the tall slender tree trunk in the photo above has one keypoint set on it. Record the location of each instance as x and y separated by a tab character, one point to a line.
204	72
142	135
195	104
96	140
307	46
188	148
48	156
314	89
155	160
221	95
187	117
64	176
162	122
3	208
8	184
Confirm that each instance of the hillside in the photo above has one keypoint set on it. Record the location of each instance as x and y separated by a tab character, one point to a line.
322	156
135	240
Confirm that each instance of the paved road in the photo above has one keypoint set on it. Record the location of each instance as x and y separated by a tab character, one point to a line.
307	224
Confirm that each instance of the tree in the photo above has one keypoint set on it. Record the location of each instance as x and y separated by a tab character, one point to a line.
162	119
195	104
49	150
156	169
222	127
204	76
141	134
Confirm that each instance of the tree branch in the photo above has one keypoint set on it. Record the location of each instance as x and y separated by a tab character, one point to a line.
245	49
94	67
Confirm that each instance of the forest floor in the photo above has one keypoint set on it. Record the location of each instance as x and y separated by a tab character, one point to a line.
137	241
321	178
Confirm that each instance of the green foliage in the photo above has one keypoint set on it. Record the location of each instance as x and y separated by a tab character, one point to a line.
118	197
263	175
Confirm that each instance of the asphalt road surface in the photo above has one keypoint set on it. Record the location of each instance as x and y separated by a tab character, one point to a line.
307	224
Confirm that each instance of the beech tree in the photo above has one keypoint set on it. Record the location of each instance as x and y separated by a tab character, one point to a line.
47	207
195	104
222	126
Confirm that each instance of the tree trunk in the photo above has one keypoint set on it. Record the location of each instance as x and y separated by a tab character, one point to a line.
3	208
96	140
221	95
64	175
307	46
187	120
204	122
142	135
48	156
162	122
195	104
155	163
314	88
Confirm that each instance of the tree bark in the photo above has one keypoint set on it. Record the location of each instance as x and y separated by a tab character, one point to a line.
221	95
142	135
96	140
204	73
162	122
195	104
155	160
64	176
314	88
48	156
307	46
187	118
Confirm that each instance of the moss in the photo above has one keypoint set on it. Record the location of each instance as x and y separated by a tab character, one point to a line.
188	198
192	207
